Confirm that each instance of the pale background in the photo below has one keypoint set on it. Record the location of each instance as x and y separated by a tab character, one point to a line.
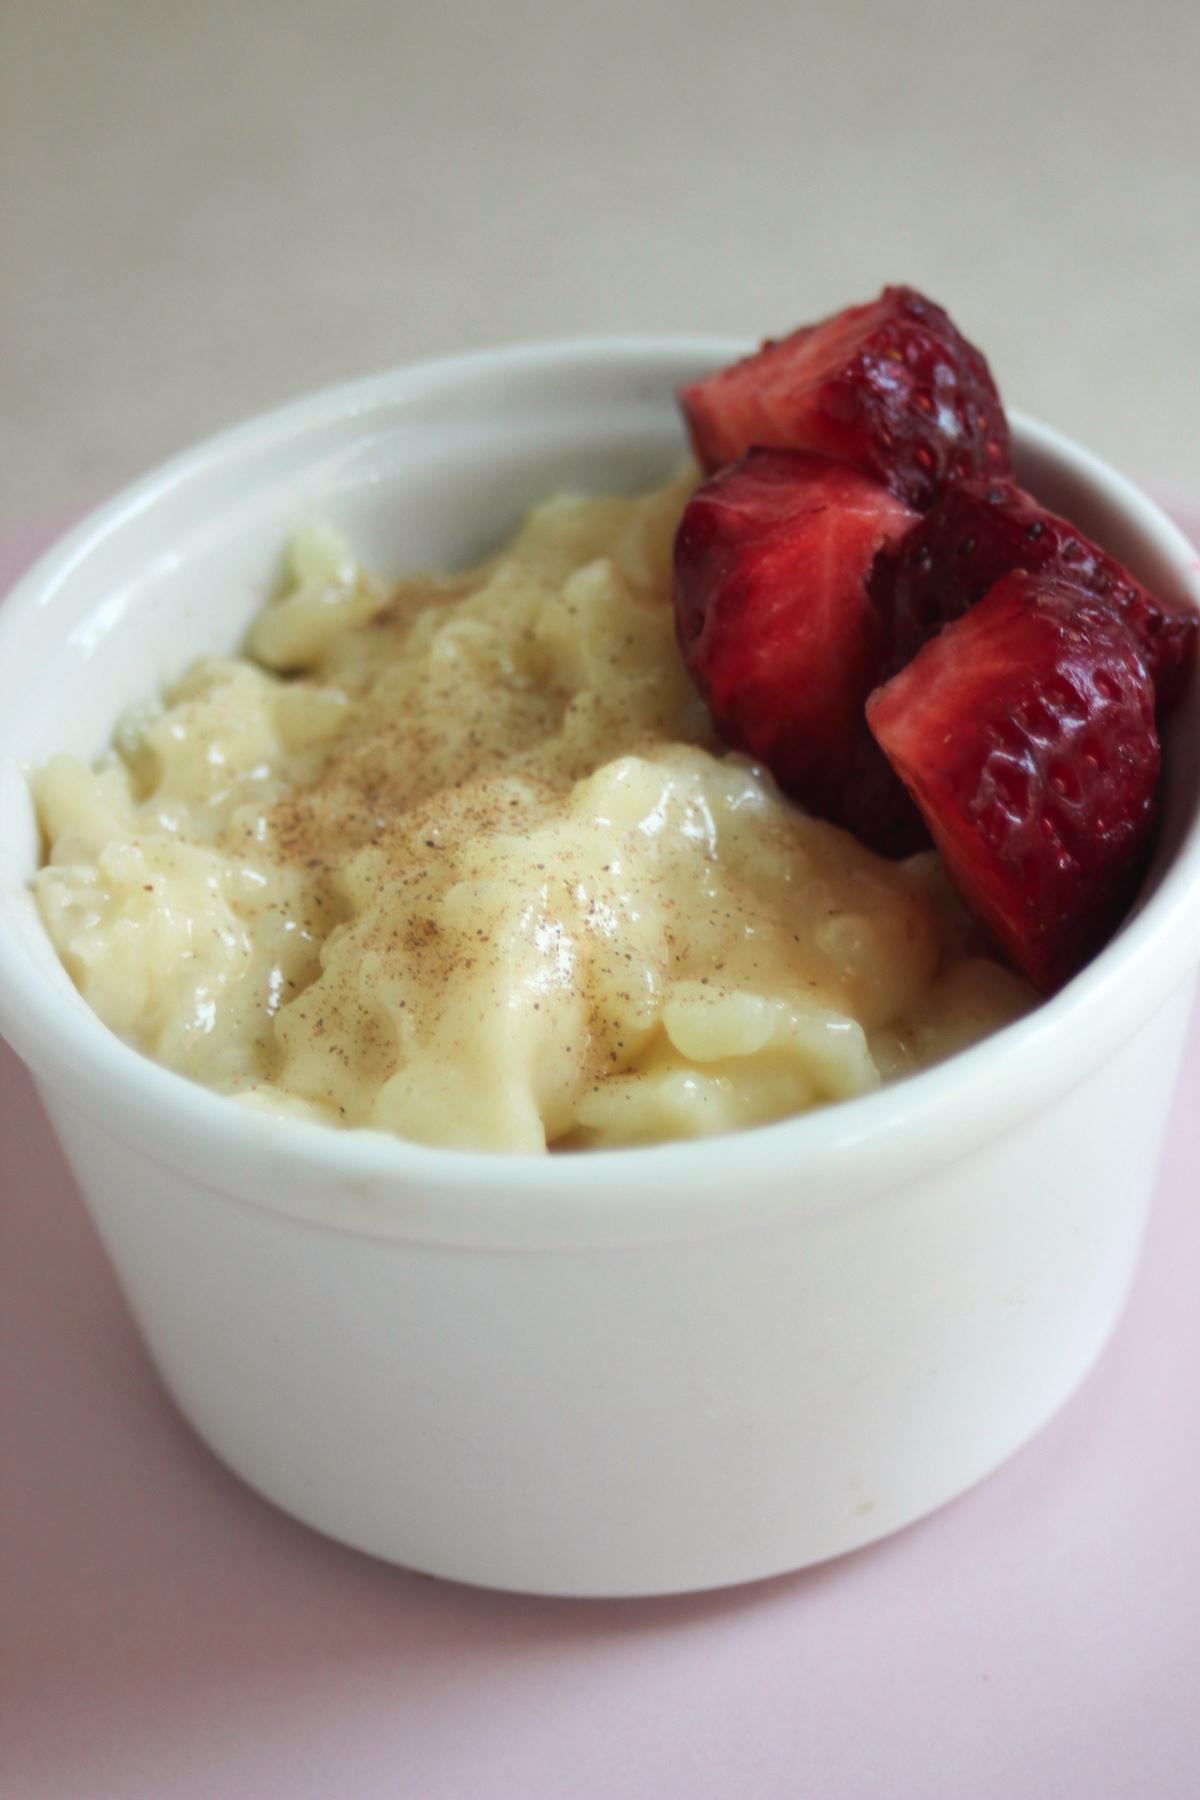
208	207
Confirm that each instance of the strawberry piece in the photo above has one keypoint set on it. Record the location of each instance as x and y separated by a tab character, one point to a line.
1025	733
874	803
891	387
981	530
772	611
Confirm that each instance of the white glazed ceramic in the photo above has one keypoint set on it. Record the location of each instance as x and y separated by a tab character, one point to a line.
628	1372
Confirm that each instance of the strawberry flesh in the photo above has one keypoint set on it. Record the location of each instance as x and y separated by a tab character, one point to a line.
981	530
891	387
772	612
1025	733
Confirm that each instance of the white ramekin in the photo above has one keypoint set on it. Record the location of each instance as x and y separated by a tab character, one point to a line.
628	1372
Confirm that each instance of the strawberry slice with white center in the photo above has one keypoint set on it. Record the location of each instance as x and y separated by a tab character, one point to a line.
892	387
772	612
1025	733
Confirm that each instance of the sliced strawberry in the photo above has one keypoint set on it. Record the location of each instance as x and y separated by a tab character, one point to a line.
891	387
874	803
980	530
1025	733
772	611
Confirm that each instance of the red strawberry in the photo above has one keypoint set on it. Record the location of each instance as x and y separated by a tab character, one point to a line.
891	387
874	803
772	611
980	530
1025	733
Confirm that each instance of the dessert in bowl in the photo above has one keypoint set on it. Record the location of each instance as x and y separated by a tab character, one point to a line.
631	1370
463	859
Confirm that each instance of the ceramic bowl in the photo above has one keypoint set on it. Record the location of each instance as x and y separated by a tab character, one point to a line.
628	1371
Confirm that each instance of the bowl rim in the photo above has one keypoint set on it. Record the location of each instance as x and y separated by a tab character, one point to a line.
974	1096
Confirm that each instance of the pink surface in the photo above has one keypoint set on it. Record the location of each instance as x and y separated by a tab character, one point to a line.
164	1634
